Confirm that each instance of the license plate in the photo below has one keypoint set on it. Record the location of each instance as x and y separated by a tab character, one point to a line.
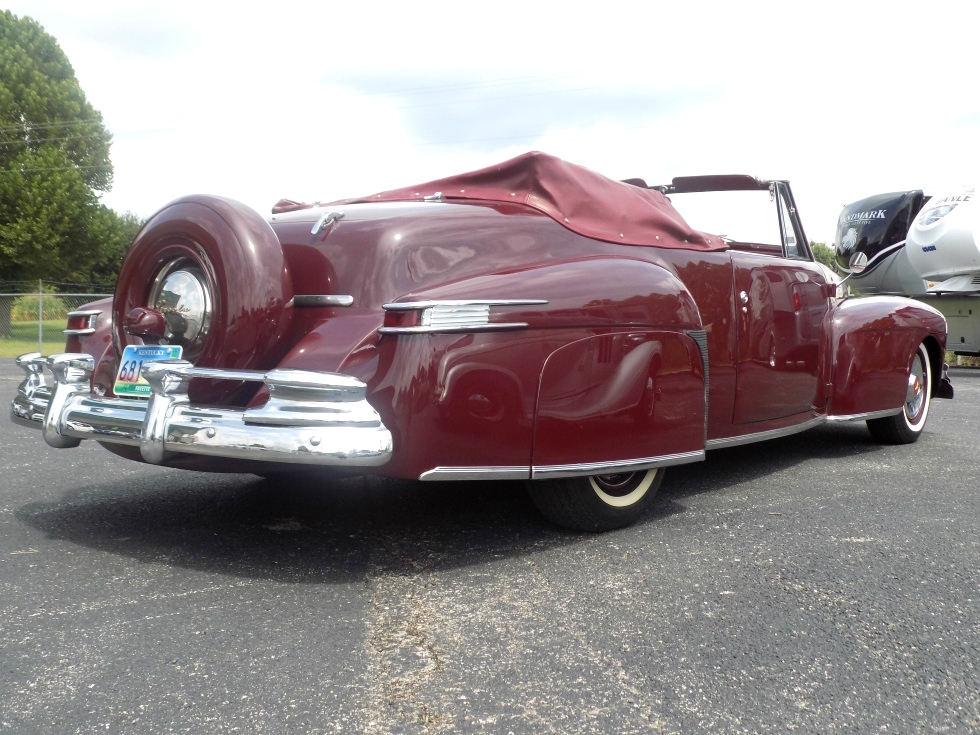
129	380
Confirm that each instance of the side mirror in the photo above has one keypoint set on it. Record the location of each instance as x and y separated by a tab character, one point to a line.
859	263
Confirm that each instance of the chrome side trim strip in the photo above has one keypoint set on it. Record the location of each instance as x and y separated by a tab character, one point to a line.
866	416
307	300
477	473
547	472
734	441
701	338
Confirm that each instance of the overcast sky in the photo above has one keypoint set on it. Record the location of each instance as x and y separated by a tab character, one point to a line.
323	100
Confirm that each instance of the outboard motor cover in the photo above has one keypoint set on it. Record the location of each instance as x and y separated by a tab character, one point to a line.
871	229
942	242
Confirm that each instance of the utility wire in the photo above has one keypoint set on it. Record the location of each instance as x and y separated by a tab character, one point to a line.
21	126
14	141
13	171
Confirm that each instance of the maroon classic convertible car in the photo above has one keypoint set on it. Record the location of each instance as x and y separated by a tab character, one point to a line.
530	321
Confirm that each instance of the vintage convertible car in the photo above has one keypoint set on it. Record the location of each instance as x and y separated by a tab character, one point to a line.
529	321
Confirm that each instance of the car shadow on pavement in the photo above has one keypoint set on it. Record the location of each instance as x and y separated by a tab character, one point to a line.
736	465
302	530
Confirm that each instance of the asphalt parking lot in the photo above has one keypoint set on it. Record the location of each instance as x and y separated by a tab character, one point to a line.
818	583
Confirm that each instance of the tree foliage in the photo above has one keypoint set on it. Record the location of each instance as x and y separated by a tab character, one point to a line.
54	163
824	254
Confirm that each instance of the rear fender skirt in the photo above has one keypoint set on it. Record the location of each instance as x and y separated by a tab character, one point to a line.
616	397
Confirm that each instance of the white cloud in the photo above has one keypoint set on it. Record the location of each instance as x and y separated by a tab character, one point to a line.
324	100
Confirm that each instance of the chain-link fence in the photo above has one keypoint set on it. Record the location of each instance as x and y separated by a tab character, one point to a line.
33	314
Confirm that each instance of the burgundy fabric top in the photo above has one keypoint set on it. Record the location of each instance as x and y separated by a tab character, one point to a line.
581	200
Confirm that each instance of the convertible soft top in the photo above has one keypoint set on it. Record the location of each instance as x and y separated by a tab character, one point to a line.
583	201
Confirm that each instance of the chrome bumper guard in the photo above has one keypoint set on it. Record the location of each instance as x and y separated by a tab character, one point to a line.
311	418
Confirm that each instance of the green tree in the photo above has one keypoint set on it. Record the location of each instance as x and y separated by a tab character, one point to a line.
824	254
113	233
54	164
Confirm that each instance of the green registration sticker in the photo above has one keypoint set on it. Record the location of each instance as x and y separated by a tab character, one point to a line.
129	381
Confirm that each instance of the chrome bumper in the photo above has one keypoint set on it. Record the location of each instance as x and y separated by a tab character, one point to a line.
311	418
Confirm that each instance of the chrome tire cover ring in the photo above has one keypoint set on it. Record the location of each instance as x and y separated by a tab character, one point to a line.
180	292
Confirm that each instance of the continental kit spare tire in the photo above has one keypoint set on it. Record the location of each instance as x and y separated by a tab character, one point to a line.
216	269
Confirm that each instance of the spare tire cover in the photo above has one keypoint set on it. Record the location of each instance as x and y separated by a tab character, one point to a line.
237	256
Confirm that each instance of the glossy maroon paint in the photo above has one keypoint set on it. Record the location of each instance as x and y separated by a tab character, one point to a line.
778	334
608	369
624	394
872	343
501	399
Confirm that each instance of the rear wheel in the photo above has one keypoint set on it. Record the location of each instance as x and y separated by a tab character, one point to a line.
907	426
597	503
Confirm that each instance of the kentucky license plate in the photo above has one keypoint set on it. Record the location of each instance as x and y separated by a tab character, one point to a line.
129	380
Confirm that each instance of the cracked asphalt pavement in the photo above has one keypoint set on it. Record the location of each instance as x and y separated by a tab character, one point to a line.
817	583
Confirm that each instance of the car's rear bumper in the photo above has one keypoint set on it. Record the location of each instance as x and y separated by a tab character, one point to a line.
311	418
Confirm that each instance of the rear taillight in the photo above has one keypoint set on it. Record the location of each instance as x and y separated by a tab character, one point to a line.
402	319
81	322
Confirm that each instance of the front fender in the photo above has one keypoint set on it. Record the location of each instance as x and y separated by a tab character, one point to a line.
872	343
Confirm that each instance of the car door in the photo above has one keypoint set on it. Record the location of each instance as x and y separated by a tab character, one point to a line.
779	310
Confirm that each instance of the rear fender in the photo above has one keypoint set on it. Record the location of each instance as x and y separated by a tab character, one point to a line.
499	395
588	292
97	342
634	393
96	333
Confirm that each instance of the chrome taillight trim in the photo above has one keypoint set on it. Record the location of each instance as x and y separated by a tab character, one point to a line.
413	305
451	330
449	316
90	314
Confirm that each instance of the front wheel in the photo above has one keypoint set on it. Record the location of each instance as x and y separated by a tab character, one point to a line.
597	503
906	427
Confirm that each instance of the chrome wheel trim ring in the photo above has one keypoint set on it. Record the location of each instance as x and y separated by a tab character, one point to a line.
623	489
916	406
